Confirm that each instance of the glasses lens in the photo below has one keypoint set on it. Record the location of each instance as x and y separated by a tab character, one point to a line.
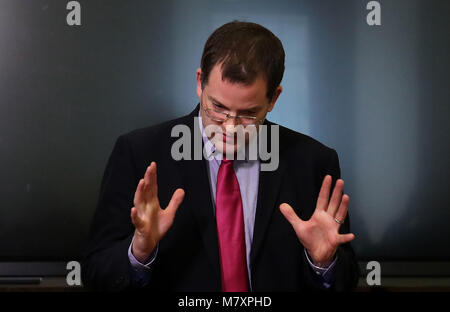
222	116
247	120
217	116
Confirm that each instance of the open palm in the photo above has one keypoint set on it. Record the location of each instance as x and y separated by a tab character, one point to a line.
150	220
320	234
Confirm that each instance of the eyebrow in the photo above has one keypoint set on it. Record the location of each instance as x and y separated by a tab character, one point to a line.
217	102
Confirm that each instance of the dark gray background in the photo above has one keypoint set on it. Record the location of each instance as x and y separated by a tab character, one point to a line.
378	95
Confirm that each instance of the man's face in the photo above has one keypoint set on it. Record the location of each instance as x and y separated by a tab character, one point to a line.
236	99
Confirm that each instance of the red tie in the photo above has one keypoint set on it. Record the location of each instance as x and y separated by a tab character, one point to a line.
230	230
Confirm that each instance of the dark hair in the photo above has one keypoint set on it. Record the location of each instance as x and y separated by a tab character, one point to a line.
245	50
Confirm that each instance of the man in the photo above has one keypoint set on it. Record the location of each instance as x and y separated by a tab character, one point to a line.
219	224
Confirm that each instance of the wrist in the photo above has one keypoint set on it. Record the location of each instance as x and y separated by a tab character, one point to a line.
140	249
320	263
323	264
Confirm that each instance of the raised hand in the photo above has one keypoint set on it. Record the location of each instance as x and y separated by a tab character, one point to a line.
319	235
150	221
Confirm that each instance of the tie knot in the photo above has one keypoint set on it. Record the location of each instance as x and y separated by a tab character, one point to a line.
225	158
227	161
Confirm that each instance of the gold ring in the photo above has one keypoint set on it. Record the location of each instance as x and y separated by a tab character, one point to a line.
338	221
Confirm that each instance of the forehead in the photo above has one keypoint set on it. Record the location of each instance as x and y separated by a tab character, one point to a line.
236	95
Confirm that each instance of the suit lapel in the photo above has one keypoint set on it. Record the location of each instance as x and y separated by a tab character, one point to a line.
268	189
199	195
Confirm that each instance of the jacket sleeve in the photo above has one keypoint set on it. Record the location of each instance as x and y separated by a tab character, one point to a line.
346	270
106	265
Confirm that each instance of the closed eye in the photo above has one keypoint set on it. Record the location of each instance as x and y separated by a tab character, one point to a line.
219	106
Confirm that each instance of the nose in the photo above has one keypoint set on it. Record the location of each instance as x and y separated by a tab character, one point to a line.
230	122
229	127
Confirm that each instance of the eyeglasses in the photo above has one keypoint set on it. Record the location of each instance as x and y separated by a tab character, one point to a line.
221	116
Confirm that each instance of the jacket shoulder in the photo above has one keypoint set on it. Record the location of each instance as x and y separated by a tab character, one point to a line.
154	139
160	130
291	140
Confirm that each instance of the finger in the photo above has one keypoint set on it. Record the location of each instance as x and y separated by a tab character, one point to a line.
153	179
147	175
137	222
336	198
175	202
324	195
150	187
139	194
341	214
146	179
345	238
290	215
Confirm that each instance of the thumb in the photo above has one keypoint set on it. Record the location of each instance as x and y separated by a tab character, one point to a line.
290	214
175	202
346	238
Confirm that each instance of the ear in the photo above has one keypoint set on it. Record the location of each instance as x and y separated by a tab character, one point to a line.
275	97
199	83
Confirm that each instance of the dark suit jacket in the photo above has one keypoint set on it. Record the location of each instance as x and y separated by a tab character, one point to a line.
188	256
